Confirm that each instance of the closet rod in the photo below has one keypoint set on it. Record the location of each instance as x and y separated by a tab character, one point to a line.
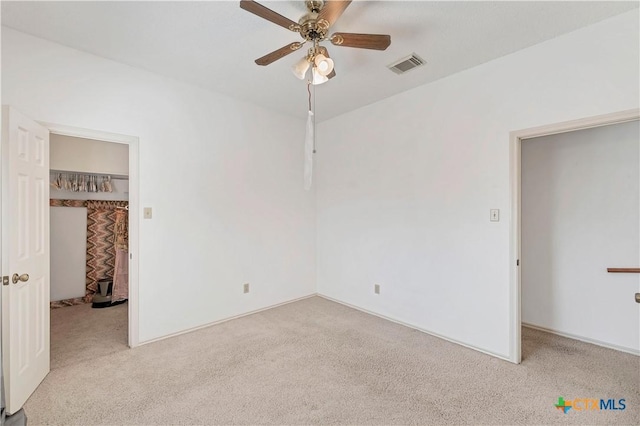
73	172
624	270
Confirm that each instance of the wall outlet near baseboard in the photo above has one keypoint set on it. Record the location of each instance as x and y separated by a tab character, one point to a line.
245	288
376	288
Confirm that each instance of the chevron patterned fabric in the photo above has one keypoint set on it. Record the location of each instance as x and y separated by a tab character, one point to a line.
101	253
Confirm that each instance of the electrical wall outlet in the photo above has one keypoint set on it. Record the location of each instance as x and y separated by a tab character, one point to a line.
148	213
376	288
245	288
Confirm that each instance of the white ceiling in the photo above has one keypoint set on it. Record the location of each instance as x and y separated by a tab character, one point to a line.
213	43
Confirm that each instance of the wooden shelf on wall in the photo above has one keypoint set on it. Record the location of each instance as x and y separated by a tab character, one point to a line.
624	270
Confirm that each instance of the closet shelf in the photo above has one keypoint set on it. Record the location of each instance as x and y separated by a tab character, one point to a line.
76	172
82	182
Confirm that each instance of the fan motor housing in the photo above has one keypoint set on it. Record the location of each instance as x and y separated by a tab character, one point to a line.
309	28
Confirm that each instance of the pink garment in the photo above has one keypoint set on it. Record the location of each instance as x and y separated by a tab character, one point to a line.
120	290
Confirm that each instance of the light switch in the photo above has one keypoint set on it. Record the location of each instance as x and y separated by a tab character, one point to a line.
494	215
147	213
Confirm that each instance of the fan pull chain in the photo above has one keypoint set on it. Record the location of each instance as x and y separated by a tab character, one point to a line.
314	107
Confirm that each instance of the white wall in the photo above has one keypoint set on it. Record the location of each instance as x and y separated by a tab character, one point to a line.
581	215
405	185
68	252
224	178
87	155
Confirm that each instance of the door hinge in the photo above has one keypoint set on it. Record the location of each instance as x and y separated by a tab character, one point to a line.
518	262
5	280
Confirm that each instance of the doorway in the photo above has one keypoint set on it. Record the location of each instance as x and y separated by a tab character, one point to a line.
517	261
25	249
133	208
88	213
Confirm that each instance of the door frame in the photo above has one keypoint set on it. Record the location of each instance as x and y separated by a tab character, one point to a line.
515	232
134	208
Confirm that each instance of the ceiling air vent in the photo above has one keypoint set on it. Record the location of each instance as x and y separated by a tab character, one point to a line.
406	64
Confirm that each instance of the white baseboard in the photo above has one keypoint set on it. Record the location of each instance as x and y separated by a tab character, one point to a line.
200	327
423	330
584	339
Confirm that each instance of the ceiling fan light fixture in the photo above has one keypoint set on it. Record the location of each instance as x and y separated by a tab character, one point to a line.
300	68
323	65
318	78
314	27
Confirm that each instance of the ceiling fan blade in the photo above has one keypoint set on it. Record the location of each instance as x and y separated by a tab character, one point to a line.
280	53
268	14
325	52
362	41
331	11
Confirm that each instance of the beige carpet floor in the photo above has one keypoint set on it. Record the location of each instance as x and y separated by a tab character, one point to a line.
317	362
79	334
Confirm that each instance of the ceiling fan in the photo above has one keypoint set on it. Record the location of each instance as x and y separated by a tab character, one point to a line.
314	27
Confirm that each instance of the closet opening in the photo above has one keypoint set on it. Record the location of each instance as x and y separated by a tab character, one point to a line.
91	250
574	214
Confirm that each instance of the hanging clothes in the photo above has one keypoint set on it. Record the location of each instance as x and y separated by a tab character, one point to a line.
120	290
101	253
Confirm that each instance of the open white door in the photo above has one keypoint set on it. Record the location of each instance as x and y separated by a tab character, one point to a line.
25	256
